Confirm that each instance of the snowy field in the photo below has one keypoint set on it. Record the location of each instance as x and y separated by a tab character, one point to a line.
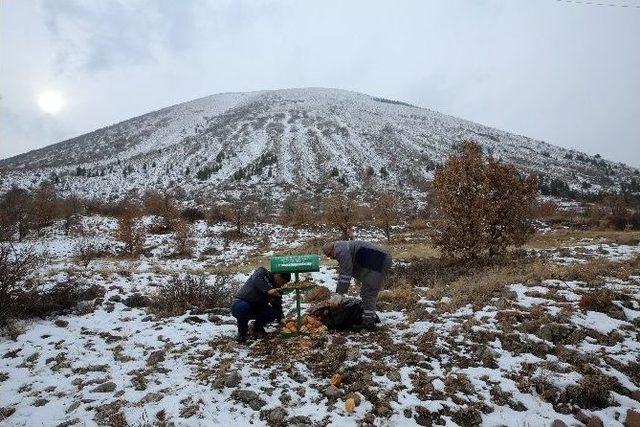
529	357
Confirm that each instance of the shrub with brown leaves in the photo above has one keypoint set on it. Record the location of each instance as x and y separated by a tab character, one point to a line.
599	300
483	205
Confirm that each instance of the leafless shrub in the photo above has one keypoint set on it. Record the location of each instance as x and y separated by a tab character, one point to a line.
618	215
15	213
634	220
183	238
188	292
297	212
131	230
592	392
86	250
15	267
62	296
240	213
215	215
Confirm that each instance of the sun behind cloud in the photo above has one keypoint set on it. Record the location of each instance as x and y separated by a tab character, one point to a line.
50	101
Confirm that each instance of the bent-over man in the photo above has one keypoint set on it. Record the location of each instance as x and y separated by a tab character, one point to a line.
366	262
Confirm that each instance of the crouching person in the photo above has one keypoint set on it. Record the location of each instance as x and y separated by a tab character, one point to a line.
366	262
260	300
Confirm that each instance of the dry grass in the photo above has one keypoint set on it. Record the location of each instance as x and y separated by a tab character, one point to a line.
570	237
479	287
400	297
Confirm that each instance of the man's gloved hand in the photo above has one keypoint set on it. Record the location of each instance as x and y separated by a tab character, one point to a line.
335	299
274	292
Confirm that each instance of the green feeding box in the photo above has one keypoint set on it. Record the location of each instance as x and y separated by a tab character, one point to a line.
295	264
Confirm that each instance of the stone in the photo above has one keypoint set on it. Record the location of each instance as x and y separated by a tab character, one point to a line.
214	318
394	376
115	298
554	332
595	422
299	421
332	392
73	422
274	417
73	406
297	376
156	357
61	323
151	397
233	380
107	387
249	397
558	423
194	320
40	402
136	300
632	419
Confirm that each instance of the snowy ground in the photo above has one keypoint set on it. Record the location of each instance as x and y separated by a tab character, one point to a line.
527	358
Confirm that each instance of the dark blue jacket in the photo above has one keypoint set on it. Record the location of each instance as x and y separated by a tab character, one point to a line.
254	291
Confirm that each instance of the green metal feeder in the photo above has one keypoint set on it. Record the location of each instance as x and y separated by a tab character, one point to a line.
296	264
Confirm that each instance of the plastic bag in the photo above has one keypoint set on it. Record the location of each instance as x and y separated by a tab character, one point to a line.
342	316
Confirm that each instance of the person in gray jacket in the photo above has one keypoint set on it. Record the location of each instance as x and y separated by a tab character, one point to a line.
365	262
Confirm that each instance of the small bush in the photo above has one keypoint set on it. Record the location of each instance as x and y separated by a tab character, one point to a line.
192	215
86	251
596	301
188	292
62	296
634	220
592	392
183	238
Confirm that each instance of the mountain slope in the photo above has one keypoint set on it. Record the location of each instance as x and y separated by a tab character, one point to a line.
307	139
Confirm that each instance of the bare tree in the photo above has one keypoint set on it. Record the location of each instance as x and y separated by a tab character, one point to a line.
240	213
340	211
16	207
43	207
385	212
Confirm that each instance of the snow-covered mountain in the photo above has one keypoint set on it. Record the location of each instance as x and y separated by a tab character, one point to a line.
271	141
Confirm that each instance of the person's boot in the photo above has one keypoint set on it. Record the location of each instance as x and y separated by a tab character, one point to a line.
368	321
241	337
258	331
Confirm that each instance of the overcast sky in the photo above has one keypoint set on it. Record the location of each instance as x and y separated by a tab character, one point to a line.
560	71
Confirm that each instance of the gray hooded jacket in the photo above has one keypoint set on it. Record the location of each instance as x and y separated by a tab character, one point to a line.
361	260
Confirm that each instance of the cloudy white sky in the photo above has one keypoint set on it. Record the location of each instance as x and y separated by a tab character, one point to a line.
560	71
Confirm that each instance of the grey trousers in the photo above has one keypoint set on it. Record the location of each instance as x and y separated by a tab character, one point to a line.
372	283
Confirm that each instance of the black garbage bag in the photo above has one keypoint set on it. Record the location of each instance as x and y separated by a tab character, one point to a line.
342	316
